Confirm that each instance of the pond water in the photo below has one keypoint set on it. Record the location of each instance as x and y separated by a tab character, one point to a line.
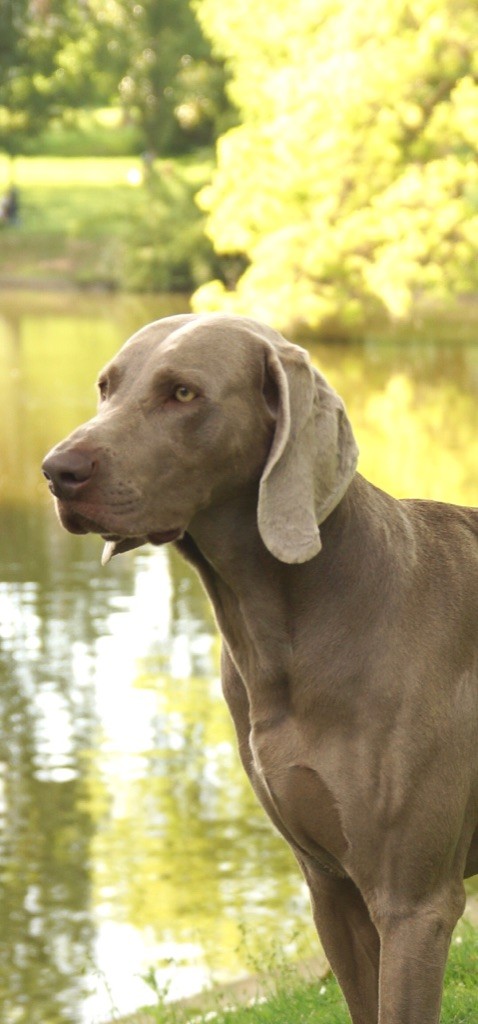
130	842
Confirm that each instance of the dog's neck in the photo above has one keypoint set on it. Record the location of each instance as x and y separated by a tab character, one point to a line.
247	588
224	542
256	598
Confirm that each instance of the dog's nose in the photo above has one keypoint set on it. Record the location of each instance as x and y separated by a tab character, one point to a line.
68	472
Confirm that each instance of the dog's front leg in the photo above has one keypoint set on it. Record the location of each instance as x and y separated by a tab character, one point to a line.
349	938
414	949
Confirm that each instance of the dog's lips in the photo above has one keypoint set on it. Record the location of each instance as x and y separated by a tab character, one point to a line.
117	545
165	537
157	538
77	517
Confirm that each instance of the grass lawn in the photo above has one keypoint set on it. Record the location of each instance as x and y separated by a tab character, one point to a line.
287	999
77	214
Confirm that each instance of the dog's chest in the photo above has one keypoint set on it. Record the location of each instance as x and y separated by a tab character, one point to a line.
296	793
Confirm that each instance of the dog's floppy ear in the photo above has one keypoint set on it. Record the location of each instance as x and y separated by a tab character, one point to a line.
312	459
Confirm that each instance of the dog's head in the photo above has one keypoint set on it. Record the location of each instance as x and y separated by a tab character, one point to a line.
193	411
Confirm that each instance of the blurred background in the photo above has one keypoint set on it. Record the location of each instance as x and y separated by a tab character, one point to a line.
313	164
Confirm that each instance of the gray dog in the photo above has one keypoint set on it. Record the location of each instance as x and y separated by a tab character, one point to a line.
349	623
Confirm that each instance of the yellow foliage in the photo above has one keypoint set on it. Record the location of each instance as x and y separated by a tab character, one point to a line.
356	153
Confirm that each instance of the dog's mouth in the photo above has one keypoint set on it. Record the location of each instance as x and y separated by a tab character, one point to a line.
116	542
117	545
157	537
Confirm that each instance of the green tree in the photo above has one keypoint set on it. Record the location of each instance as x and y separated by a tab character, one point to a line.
352	184
47	54
151	56
171	86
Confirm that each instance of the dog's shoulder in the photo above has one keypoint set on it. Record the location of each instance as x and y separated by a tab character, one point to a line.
451	529
442	514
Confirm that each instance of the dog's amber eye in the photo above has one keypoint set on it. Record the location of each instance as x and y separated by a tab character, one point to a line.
103	388
184	394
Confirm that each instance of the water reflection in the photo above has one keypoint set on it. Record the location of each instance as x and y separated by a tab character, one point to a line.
128	832
50	617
